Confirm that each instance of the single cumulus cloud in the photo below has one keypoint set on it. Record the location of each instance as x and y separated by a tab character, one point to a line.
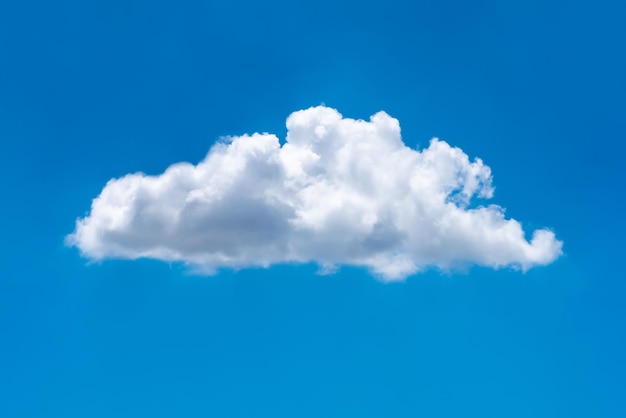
338	192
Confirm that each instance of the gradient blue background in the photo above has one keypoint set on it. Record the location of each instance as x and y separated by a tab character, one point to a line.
94	90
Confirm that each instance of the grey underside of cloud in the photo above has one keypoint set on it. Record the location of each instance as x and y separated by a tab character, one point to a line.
338	192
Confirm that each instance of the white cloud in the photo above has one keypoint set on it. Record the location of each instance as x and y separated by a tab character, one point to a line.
338	192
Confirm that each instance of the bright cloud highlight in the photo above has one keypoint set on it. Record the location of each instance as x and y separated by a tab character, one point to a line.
338	192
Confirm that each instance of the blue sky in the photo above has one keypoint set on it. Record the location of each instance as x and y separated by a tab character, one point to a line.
91	91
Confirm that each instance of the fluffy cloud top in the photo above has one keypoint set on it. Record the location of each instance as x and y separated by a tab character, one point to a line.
338	192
